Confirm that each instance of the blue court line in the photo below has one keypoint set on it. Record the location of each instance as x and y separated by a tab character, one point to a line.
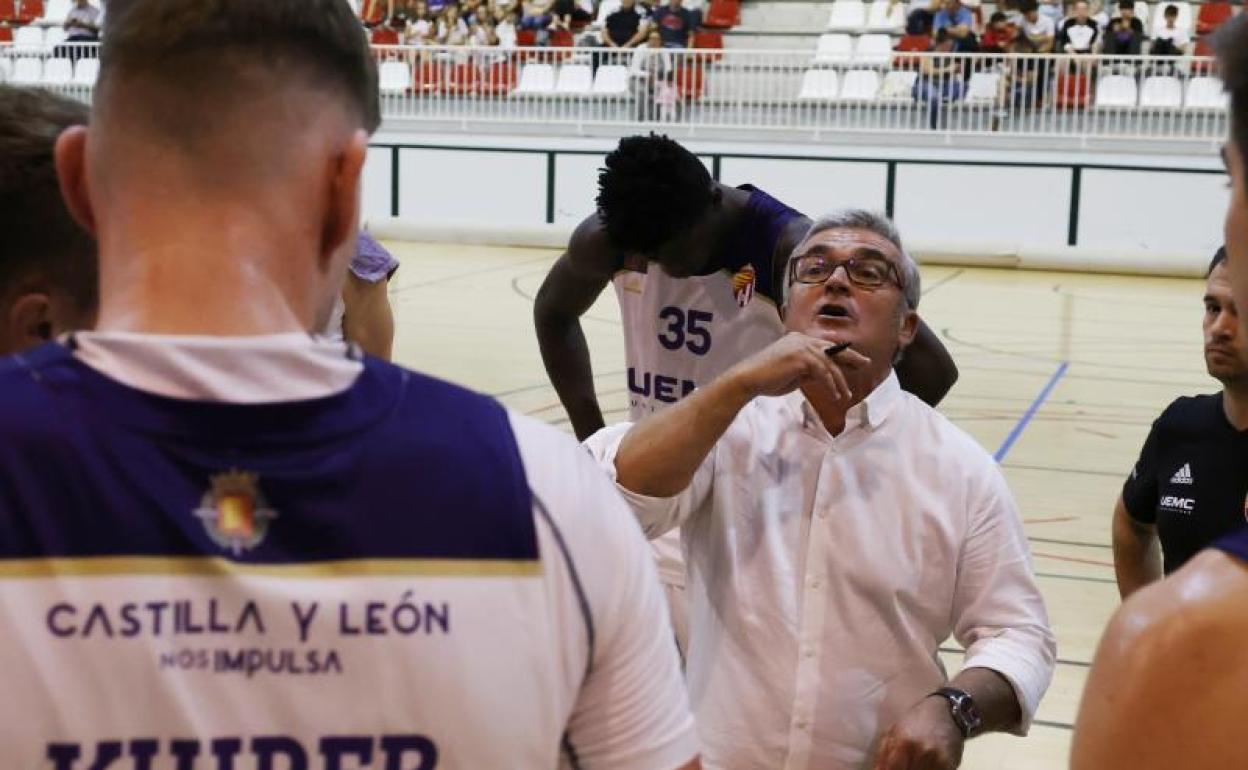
1021	425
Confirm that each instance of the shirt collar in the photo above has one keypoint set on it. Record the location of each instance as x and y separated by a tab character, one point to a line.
870	413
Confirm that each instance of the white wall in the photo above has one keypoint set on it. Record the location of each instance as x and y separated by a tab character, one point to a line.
813	187
576	185
1152	210
375	198
501	187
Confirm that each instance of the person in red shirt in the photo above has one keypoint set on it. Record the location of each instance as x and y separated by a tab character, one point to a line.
999	34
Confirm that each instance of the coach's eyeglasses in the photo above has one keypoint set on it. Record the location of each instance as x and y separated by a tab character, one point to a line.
864	272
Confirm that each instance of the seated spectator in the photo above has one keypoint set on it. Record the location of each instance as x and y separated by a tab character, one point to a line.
675	24
506	30
940	79
958	23
421	29
919	16
536	14
1079	33
1025	75
1038	28
1125	36
1171	39
452	29
624	27
564	13
651	65
1051	9
437	6
999	34
82	25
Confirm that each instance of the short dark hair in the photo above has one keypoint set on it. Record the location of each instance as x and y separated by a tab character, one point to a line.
1219	257
1231	44
651	190
42	247
1171	10
1126	5
202	49
1027	6
996	17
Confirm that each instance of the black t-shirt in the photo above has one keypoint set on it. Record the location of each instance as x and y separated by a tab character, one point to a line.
675	24
1191	478
1081	34
622	25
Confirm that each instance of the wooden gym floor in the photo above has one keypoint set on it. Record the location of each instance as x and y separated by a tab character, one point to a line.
1061	376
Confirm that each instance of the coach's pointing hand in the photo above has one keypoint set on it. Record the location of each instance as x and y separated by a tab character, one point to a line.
925	738
795	360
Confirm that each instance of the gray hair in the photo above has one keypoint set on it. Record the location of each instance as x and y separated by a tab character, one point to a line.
860	219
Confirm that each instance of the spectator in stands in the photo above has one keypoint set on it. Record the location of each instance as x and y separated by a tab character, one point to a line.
537	16
504	8
1051	9
82	25
675	23
1079	34
1171	39
421	29
564	13
1038	28
651	65
1025	75
958	23
940	80
919	15
999	34
437	6
1125	36
506	30
481	34
624	27
452	29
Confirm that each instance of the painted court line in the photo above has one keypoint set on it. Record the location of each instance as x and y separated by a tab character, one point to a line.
1023	421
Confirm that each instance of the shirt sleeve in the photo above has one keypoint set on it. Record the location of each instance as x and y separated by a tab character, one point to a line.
631	711
1140	492
657	515
999	615
372	263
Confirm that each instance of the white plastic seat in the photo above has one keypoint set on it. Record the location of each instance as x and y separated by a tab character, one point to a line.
834	49
52	37
1205	93
1116	91
820	85
574	79
983	87
86	72
6	68
611	80
536	80
873	50
898	86
847	16
1184	22
860	85
394	77
27	40
27	72
1161	92
880	20
55	11
57	72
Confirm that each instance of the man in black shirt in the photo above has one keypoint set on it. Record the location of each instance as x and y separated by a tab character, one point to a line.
1188	488
1079	33
1125	34
676	24
624	27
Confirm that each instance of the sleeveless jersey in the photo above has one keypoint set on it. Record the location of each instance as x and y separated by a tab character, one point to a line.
363	580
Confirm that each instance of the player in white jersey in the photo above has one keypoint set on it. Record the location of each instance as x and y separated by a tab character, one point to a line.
226	542
697	267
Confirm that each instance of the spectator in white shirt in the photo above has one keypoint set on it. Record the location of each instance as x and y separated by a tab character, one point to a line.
1170	39
1080	32
1038	28
836	531
82	25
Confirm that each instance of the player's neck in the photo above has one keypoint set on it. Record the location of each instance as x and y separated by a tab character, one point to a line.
1235	405
245	276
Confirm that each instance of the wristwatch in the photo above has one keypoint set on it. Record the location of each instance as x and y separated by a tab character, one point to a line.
963	710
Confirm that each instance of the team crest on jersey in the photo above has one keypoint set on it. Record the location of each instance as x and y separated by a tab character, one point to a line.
234	512
743	285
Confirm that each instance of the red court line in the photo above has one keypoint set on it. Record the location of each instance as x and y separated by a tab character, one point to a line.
1050	520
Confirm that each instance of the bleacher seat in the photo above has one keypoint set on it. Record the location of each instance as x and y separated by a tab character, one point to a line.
561	38
1116	92
1205	93
86	72
983	88
499	80
611	80
8	10
898	86
860	85
1072	91
1212	16
28	40
1161	92
52	37
29	11
880	20
55	11
819	85
394	77
6	69
722	14
384	36
1185	20
6	33
57	72
834	49
536	80
847	16
873	50
574	80
27	71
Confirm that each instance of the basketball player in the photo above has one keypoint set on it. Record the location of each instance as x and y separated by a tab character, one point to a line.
225	542
47	262
720	253
1169	683
1188	488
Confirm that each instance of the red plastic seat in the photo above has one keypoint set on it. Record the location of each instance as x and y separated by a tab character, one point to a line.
373	11
526	38
427	77
689	79
30	10
723	14
1212	16
1073	91
498	80
6	34
911	44
385	36
460	78
561	38
8	10
708	40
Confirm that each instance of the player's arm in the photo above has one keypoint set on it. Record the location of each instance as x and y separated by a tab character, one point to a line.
570	289
1166	687
368	319
1137	551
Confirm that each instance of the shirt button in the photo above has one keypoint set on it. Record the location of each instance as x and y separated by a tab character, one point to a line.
823	513
809	652
814	584
802	724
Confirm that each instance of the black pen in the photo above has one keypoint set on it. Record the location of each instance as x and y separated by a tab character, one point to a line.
837	348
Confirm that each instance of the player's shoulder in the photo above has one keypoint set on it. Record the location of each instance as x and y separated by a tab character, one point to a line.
1191	414
590	249
28	381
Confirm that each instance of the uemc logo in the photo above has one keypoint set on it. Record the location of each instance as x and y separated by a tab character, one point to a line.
1172	503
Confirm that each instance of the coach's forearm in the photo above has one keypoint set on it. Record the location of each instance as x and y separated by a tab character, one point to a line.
994	696
661	454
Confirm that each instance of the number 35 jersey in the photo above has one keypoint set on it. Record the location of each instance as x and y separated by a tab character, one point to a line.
681	333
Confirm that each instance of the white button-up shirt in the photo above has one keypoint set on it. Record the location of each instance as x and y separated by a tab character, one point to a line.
824	573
